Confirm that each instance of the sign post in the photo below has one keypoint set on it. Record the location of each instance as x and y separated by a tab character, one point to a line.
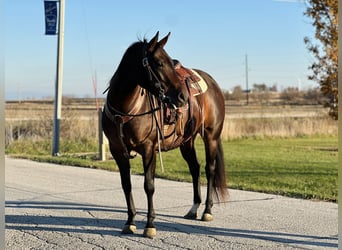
50	8
50	24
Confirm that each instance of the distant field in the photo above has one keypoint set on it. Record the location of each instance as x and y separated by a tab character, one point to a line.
80	117
302	167
86	109
43	109
283	149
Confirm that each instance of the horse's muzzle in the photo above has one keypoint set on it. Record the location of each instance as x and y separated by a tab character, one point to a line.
182	98
176	101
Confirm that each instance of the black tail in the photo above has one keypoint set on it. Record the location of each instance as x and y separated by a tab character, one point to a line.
220	181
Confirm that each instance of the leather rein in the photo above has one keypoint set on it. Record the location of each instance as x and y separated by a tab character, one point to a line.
120	117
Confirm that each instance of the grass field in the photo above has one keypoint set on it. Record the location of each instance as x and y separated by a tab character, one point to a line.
282	149
302	167
296	167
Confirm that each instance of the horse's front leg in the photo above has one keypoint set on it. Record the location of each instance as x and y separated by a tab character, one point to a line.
149	161
124	168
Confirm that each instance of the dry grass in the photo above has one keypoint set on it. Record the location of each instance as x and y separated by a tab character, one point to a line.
278	127
72	127
33	120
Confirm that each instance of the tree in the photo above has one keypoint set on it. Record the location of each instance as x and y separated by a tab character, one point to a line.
324	14
237	94
259	87
291	95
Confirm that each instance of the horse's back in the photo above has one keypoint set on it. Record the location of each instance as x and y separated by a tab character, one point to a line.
213	86
213	103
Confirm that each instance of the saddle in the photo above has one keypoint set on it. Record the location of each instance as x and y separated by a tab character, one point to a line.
191	78
188	78
196	86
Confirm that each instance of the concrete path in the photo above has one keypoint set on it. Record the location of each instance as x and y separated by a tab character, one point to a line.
60	207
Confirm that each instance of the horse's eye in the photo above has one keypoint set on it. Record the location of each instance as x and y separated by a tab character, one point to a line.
160	64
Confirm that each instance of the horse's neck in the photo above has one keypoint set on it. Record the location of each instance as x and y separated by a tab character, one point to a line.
125	96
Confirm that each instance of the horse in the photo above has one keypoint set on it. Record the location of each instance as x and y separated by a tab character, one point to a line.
144	92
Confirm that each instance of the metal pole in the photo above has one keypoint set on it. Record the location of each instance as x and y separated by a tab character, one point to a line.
247	101
59	80
102	146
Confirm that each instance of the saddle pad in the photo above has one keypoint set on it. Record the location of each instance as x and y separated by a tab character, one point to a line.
201	86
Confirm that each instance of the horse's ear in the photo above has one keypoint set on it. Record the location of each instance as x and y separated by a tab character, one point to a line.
163	41
152	44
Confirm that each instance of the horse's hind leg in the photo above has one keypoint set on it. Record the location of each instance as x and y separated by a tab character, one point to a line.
216	174
189	154
210	154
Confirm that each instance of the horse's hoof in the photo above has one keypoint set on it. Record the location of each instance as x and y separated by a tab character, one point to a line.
150	232
129	229
190	216
207	217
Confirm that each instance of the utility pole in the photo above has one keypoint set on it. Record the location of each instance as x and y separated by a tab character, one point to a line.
59	80
19	92
247	90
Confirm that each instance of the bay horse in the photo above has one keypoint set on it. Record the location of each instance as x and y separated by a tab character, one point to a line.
144	91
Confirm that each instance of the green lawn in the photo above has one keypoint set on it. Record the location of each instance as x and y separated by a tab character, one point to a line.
297	167
304	167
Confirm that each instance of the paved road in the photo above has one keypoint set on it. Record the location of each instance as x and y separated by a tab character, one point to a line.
60	207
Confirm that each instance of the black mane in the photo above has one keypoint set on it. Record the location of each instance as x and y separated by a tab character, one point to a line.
133	53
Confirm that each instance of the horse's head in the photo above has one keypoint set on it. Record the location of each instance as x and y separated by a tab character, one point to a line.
160	77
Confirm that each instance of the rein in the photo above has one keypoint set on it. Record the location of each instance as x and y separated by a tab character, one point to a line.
116	116
121	118
161	95
112	113
158	85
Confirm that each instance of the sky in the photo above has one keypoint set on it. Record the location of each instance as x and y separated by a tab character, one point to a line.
214	36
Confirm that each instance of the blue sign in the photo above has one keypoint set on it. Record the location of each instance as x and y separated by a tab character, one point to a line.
50	17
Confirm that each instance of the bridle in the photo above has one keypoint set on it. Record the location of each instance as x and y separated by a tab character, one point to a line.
156	104
162	98
120	117
158	84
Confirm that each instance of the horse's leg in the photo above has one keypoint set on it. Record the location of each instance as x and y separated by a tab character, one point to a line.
210	154
124	168
189	154
149	161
